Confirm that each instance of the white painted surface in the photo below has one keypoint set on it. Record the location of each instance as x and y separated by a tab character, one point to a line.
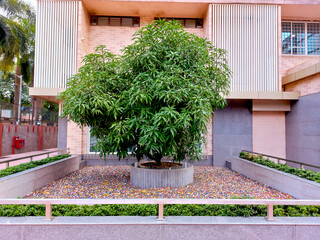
56	43
249	33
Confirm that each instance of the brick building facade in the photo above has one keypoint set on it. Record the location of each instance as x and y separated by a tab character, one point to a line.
273	50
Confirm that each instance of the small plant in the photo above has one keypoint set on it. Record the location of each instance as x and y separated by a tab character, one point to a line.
303	173
25	166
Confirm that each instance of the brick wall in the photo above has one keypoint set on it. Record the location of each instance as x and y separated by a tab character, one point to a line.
290	64
306	86
36	138
115	39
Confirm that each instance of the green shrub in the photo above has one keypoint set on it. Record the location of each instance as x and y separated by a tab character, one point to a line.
156	99
25	166
152	210
303	173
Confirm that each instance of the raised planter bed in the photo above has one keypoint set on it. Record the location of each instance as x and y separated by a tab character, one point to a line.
298	187
157	178
22	183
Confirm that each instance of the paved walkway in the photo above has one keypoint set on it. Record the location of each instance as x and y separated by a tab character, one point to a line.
26	157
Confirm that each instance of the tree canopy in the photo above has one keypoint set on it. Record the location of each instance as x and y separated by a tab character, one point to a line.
155	100
17	34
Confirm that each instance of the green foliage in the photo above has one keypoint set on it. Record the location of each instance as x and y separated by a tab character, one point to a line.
154	100
17	35
25	166
152	210
303	173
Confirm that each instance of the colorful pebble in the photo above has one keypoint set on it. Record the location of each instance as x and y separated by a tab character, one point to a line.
114	182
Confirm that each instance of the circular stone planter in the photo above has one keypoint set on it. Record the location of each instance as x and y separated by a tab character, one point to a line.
157	178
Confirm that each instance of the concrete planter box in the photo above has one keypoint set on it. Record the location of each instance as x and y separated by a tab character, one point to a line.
298	187
157	178
23	183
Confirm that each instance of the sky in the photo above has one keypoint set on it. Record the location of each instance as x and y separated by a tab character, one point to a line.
32	3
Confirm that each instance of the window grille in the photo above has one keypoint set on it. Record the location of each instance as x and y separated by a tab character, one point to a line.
301	38
115	21
187	22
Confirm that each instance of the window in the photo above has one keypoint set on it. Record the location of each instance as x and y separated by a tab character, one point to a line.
93	142
301	38
115	21
187	22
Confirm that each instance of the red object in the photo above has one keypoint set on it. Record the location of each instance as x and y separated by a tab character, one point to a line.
17	143
1	133
40	137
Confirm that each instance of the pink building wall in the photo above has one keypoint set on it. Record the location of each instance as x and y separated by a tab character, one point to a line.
268	133
306	86
268	127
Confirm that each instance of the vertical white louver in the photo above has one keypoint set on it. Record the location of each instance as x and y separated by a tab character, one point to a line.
56	43
249	33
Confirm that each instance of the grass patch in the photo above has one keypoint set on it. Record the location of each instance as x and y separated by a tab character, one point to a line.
152	210
303	173
25	166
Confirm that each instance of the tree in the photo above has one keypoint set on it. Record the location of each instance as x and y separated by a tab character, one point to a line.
17	34
154	100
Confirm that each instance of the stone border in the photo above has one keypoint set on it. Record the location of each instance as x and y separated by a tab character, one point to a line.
173	228
298	187
157	178
25	182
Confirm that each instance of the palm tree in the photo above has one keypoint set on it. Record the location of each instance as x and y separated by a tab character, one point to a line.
17	34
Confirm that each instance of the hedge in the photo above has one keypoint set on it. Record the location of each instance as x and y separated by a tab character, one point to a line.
303	173
25	166
152	210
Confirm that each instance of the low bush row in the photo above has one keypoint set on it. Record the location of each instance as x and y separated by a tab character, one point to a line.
152	210
303	173
25	166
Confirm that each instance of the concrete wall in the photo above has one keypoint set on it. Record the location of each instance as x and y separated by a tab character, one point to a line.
62	133
175	228
232	131
284	182
36	138
303	130
23	183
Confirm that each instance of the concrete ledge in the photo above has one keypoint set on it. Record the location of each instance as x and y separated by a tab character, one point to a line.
175	228
23	183
260	95
301	74
157	178
298	187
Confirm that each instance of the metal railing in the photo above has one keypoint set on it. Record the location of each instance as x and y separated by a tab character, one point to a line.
28	115
160	202
7	162
302	165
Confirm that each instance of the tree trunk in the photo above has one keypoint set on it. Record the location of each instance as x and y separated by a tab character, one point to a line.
156	157
36	109
17	80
